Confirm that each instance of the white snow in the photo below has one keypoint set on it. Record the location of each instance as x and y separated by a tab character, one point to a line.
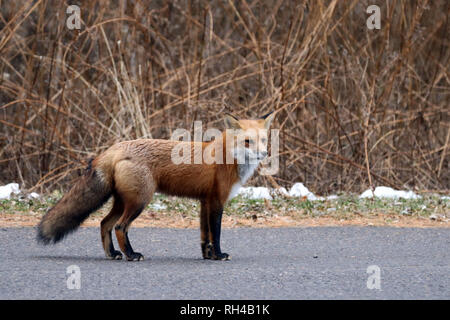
8	190
299	190
255	193
33	195
280	192
386	192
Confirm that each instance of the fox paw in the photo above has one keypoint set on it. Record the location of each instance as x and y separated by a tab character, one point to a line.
221	256
115	255
207	254
135	256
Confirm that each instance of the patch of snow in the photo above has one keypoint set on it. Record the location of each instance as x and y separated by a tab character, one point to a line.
299	190
33	195
255	193
9	189
386	192
280	192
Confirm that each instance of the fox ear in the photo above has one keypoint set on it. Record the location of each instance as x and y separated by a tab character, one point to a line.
268	119
231	122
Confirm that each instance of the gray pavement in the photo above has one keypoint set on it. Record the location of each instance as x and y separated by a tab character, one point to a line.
276	263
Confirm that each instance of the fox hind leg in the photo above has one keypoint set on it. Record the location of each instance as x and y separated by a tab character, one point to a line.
107	225
135	186
121	229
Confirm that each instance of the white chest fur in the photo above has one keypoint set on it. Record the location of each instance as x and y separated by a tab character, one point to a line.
245	171
234	190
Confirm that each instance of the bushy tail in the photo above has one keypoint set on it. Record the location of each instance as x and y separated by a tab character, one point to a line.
88	194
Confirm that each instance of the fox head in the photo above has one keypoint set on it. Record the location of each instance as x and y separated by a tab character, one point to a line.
248	143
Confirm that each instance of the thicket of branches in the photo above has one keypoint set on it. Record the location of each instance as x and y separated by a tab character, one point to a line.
356	107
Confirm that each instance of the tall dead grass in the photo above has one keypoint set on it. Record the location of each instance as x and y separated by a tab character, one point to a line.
356	107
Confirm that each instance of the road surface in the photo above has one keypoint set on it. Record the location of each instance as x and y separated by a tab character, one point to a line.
271	263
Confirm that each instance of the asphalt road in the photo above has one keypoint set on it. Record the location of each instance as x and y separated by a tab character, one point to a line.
286	263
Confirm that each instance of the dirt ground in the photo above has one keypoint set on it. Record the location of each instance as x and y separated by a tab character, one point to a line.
149	219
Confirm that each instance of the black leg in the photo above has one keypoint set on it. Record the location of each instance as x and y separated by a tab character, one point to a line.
204	231
131	255
215	225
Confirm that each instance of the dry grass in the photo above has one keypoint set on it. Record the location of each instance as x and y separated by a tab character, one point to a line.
355	106
172	212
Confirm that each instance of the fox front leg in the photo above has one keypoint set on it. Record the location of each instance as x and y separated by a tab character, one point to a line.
212	249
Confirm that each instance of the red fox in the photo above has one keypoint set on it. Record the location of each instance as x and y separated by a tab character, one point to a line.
131	171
